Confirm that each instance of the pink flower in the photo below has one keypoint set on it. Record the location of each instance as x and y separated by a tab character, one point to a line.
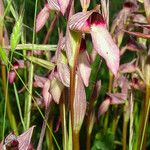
92	22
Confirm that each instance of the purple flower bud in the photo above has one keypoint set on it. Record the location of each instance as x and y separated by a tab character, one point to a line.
104	107
11	76
46	94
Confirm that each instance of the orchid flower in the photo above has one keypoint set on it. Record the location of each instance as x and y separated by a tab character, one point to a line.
56	5
115	98
137	83
51	87
119	22
59	77
21	142
92	22
128	67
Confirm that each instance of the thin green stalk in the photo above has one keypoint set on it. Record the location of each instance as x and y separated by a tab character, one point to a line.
88	141
29	98
125	125
136	124
124	138
145	118
49	135
63	122
19	107
52	25
109	90
131	122
115	120
47	111
30	82
72	94
76	144
89	128
7	106
70	134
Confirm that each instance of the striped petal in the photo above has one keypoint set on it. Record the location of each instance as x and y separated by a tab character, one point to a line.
42	18
25	138
53	5
79	103
80	21
56	88
63	5
64	74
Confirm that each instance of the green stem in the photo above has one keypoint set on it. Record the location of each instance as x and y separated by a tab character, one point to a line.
29	98
131	122
115	120
124	139
145	118
76	144
90	124
88	141
47	111
50	137
110	82
72	94
18	104
63	122
109	90
30	82
70	147
7	107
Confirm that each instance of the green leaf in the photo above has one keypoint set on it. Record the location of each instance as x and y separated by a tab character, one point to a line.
16	34
103	141
44	63
3	56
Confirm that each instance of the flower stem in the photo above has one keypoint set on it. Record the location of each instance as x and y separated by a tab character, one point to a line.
63	121
109	90
124	138
76	143
11	117
47	111
50	29
72	94
144	119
